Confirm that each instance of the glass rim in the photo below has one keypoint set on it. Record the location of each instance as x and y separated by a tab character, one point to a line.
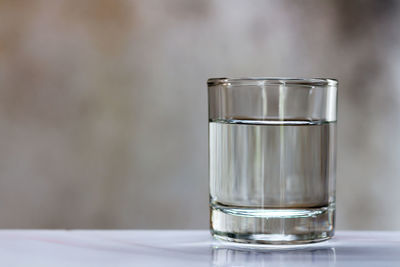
260	81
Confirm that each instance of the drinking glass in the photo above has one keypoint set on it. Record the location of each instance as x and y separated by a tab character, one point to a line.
272	159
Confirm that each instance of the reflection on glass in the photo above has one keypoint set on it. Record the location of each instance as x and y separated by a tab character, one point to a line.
224	256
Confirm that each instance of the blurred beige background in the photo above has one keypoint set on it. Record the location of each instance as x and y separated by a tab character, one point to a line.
103	104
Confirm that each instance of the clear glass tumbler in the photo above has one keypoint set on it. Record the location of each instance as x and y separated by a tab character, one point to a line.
272	159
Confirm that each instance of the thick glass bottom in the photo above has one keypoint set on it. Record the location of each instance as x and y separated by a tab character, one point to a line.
272	226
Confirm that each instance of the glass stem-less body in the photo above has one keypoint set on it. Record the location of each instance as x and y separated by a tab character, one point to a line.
272	180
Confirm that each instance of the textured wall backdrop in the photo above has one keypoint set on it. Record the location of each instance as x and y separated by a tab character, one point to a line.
103	109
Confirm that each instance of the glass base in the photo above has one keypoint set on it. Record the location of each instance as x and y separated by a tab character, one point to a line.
272	226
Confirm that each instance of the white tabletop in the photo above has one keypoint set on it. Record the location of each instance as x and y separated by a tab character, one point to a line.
188	248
